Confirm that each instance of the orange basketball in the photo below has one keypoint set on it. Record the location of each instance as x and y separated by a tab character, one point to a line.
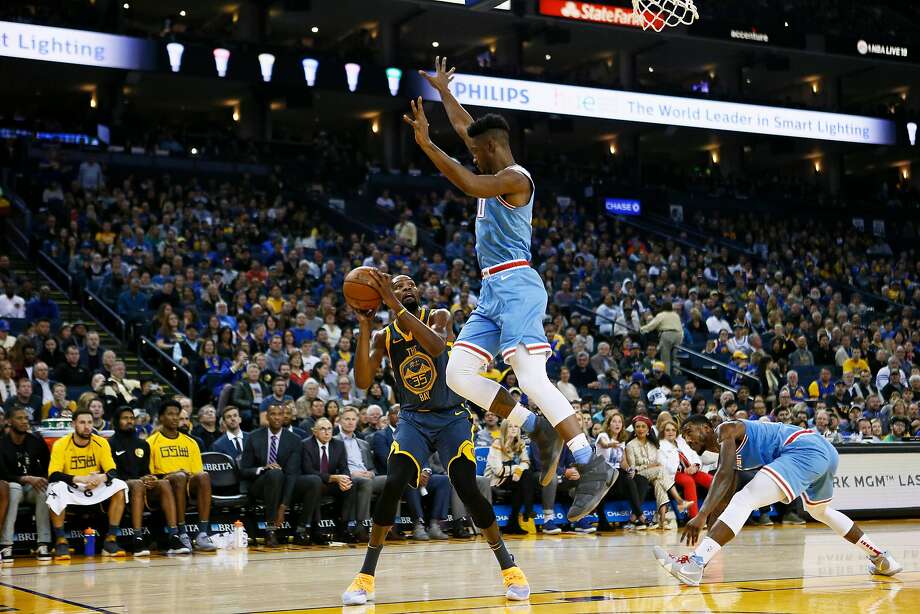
358	292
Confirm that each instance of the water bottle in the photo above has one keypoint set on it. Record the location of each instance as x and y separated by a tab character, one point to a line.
89	542
238	537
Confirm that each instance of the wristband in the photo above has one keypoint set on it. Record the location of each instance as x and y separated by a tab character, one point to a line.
401	311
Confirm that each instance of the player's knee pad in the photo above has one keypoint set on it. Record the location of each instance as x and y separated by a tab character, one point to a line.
759	492
530	370
463	368
837	522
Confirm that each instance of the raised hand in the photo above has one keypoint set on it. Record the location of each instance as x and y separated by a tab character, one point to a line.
419	122
381	283
441	77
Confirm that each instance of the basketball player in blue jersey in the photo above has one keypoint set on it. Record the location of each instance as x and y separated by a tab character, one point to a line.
512	302
792	462
431	418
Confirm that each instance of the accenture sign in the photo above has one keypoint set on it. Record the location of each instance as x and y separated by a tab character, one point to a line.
588	11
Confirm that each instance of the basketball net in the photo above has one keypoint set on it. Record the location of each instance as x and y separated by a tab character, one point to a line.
659	14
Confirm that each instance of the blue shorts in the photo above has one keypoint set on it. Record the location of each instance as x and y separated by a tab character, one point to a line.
806	467
511	308
448	432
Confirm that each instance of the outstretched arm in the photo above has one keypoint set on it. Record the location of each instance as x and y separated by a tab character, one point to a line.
479	186
457	115
723	483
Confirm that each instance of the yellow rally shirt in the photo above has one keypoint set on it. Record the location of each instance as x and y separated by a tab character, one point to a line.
172	455
67	457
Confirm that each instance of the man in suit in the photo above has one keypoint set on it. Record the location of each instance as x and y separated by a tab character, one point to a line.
248	394
233	441
360	467
325	465
271	463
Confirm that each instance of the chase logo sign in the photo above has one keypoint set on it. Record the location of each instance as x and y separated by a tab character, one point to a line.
621	206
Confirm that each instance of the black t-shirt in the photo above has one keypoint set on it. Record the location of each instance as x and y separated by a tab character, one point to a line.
132	456
31	457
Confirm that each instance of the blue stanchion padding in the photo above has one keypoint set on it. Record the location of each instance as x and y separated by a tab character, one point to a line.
482	454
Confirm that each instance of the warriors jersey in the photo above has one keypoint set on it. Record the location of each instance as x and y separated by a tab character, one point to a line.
172	455
69	458
421	382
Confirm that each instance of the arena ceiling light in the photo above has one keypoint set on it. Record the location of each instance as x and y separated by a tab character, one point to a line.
221	60
393	77
310	66
352	71
266	64
175	51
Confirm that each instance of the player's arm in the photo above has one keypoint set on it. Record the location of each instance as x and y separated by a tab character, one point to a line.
370	351
723	483
57	464
433	342
725	479
504	182
107	461
458	116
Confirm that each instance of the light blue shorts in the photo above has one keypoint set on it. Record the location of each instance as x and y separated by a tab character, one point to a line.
512	305
806	467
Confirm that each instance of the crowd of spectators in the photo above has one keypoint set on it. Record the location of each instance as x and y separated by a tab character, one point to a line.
239	284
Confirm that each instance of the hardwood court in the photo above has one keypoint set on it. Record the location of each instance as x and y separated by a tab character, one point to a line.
782	569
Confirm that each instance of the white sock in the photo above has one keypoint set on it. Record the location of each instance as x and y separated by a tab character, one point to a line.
579	442
707	549
518	415
868	546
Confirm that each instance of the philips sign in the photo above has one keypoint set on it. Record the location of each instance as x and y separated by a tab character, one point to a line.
48	44
665	110
620	206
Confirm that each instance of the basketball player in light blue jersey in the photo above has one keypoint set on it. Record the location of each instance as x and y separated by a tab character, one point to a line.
792	462
508	319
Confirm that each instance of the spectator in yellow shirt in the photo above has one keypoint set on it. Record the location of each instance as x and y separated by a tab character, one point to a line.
176	457
82	464
855	362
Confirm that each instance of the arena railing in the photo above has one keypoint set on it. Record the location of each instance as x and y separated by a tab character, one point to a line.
159	361
682	348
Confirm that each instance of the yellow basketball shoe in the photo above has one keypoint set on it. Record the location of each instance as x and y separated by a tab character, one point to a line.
516	584
361	590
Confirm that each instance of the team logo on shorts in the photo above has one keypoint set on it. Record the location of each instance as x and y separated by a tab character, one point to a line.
418	374
139	452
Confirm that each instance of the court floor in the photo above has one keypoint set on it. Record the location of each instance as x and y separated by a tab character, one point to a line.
780	569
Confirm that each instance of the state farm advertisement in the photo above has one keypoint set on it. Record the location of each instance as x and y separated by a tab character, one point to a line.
589	11
885	481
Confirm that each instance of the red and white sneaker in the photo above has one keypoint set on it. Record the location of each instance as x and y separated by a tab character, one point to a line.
686	568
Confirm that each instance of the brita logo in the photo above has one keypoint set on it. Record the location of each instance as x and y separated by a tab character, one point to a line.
218	466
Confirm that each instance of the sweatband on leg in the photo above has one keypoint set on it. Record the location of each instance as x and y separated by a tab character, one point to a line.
530	370
837	522
759	492
463	377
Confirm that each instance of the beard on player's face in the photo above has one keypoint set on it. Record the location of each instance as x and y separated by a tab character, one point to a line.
410	302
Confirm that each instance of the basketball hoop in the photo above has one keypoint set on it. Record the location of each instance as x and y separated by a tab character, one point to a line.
659	14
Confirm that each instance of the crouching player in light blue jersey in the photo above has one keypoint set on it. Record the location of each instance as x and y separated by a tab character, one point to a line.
512	303
792	462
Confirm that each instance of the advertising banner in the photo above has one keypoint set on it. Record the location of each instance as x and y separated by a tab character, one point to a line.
579	101
29	42
591	12
869	479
